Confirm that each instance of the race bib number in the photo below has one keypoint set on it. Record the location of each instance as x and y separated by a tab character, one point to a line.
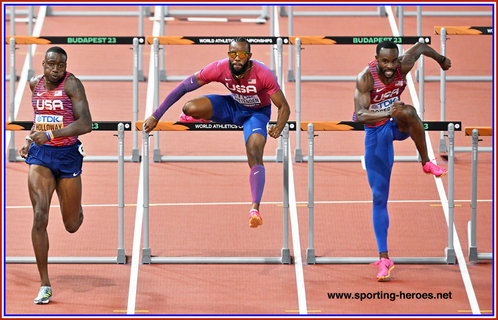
247	101
45	122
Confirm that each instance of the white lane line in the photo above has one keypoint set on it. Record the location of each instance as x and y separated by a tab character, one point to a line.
246	203
137	234
442	194
296	242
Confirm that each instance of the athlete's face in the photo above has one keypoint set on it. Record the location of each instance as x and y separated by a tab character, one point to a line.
238	65
387	62
54	66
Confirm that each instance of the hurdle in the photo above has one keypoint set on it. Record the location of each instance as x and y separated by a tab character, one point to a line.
261	14
52	12
197	40
29	19
420	12
348	40
165	14
291	13
353	13
311	258
330	40
284	258
475	132
457	30
86	40
120	258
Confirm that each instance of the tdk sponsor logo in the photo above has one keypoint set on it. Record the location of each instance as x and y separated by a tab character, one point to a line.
48	119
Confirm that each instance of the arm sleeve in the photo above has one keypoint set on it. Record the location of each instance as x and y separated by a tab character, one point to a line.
185	86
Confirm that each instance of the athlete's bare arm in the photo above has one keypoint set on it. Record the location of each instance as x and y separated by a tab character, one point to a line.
411	56
280	102
364	85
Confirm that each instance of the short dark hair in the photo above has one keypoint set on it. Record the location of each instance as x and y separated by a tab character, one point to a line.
244	40
58	50
386	44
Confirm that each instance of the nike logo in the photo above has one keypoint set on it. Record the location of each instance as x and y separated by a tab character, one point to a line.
379	90
256	172
256	129
40	93
228	79
76	173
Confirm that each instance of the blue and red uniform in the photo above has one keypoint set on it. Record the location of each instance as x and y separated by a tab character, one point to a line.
53	110
379	152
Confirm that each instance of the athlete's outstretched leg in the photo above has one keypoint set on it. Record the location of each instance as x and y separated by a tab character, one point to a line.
254	148
41	185
379	159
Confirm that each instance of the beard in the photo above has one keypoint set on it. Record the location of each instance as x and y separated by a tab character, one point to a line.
241	71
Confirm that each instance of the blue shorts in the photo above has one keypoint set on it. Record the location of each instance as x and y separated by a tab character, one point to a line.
227	110
63	161
388	131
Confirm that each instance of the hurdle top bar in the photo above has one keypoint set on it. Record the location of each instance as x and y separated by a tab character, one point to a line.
464	30
315	40
188	40
96	125
483	131
318	126
100	40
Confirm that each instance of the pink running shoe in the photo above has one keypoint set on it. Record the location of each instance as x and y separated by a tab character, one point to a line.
431	168
185	118
385	267
254	218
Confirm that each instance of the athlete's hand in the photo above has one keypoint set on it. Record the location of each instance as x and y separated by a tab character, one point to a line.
150	123
39	137
23	152
274	132
446	64
396	107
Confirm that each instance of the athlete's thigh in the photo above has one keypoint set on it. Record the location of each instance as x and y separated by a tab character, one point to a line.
256	124
223	107
200	107
41	186
69	192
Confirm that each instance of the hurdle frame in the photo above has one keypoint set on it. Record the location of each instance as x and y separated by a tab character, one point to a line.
187	40
120	257
457	30
163	13
330	40
29	40
311	258
147	258
474	255
290	15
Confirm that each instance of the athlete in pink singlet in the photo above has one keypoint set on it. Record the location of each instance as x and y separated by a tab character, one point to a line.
253	88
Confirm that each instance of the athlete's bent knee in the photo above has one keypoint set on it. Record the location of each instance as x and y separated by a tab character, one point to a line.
407	114
73	226
190	109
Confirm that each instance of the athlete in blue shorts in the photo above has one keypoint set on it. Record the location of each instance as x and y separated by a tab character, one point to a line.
386	118
54	154
253	88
